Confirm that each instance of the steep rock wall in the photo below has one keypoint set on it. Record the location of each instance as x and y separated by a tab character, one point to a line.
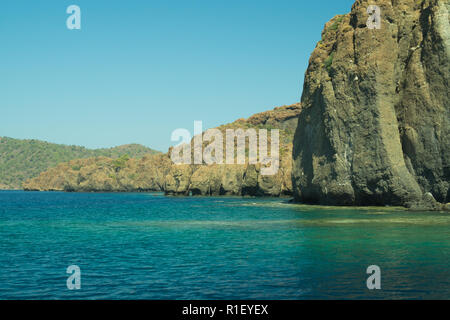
374	127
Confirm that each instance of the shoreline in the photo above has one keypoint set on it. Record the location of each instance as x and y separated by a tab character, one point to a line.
442	207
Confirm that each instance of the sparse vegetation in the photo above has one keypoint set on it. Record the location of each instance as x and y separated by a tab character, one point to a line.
120	162
336	24
328	62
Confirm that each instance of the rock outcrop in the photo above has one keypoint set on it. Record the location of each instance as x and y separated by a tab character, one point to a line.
234	179
4	187
242	179
374	127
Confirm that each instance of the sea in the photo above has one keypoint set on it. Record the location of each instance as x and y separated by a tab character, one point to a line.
150	246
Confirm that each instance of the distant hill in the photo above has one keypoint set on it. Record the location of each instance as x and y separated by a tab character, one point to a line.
21	160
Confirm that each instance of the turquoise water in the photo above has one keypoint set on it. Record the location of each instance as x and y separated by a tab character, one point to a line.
147	246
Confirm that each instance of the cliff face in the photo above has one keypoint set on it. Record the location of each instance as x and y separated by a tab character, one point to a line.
235	179
158	173
374	128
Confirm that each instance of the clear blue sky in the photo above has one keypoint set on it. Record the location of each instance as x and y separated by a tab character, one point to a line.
137	70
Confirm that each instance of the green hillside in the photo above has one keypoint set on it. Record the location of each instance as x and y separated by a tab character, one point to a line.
24	159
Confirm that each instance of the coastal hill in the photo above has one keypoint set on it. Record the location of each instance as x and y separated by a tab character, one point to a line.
158	173
375	124
24	159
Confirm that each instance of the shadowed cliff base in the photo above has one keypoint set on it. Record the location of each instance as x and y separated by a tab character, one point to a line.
374	126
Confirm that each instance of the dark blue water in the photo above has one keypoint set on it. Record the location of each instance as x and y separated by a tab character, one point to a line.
147	246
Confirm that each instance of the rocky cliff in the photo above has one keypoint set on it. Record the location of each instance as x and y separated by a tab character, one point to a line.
374	127
158	173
